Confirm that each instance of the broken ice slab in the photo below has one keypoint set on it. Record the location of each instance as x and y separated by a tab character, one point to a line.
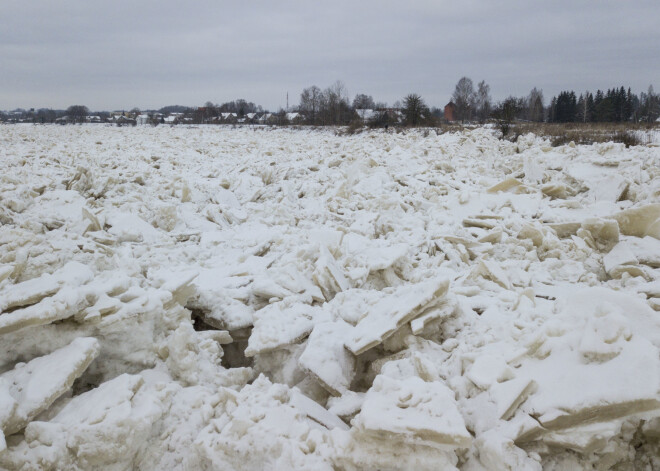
619	256
8	407
66	303
267	288
480	223
604	233
585	440
100	429
646	250
561	420
446	308
28	292
494	236
489	369
278	325
491	271
35	385
640	222
96	405
328	275
533	233
315	411
414	411
5	271
34	290
394	310
609	188
347	405
326	359
574	393
228	313
556	190
180	284
510	184
565	229
221	336
509	395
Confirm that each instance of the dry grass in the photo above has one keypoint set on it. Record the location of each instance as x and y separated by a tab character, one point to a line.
586	133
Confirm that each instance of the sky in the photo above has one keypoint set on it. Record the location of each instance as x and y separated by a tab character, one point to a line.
118	54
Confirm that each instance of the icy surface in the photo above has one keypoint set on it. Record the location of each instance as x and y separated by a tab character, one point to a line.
216	298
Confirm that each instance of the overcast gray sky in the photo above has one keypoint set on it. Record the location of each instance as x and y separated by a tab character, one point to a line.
119	54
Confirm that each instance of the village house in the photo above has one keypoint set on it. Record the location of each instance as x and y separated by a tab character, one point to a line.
295	118
450	111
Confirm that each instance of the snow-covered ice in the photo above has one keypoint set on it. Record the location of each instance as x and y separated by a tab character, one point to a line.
217	298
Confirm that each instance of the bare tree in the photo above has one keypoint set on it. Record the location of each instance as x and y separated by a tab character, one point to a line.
535	110
77	113
336	96
310	103
483	103
45	115
363	102
505	113
464	99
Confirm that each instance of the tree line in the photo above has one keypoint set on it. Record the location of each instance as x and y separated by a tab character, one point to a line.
614	105
469	103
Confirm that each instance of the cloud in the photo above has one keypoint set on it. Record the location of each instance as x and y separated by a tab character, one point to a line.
122	54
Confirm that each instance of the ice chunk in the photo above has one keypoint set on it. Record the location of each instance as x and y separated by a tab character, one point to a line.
598	361
394	310
556	190
640	222
585	440
28	292
565	229
509	395
316	412
66	303
491	271
347	405
34	290
278	325
267	288
129	227
605	233
618	258
99	404
488	369
499	452
5	271
604	336
100	429
35	385
8	407
610	188
481	223
646	250
445	308
326	359
328	275
413	411
532	233
261	427
510	184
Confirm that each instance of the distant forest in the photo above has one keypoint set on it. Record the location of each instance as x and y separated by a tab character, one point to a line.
469	103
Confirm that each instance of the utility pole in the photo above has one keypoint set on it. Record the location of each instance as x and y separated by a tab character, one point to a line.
287	102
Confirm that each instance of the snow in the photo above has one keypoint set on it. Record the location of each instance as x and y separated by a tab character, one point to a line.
216	298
